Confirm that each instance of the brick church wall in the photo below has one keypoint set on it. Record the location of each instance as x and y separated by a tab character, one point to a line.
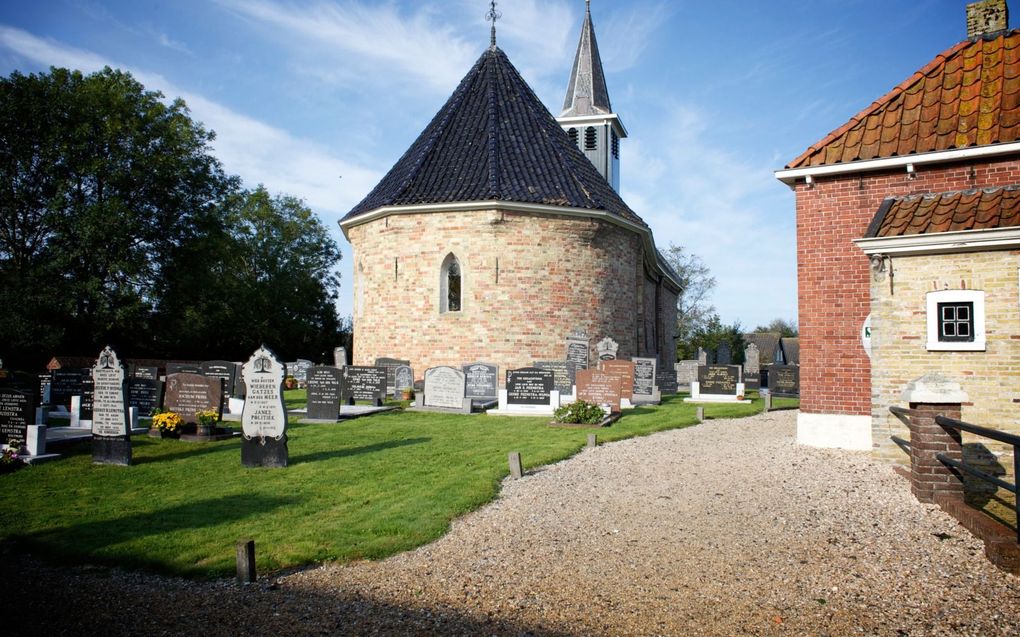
834	274
528	280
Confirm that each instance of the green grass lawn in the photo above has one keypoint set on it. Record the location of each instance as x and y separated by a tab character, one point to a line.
364	488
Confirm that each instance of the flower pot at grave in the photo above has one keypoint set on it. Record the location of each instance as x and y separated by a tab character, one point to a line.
203	430
407	394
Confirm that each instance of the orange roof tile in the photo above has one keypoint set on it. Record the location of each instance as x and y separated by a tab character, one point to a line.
969	95
984	209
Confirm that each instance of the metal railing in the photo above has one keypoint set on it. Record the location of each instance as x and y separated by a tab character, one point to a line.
984	432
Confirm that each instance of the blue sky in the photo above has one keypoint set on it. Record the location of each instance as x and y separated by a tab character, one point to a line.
319	98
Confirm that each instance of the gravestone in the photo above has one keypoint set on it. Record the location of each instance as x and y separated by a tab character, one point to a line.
391	365
44	388
665	378
17	412
224	370
264	417
340	357
444	389
239	388
723	356
529	386
403	380
142	371
719	379
111	428
324	393
300	370
784	380
363	383
702	356
623	368
481	381
644	388
187	394
687	373
752	367
87	396
563	375
607	349
64	384
578	350
183	368
145	394
600	388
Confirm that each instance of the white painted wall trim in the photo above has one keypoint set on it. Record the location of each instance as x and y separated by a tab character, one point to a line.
834	431
942	242
932	299
789	176
580	121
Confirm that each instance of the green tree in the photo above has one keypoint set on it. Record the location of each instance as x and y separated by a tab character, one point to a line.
781	326
714	333
692	308
103	185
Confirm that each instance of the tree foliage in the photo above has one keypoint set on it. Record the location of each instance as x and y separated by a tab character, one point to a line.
693	309
785	328
713	334
116	222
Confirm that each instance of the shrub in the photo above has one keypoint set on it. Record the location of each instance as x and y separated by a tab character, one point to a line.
580	412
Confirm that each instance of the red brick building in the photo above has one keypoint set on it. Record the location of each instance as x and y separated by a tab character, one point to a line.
952	126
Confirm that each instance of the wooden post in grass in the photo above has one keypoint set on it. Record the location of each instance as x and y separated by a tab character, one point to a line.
515	465
246	562
593	440
701	414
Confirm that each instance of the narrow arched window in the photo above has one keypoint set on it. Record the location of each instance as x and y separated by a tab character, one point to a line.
450	285
572	133
590	138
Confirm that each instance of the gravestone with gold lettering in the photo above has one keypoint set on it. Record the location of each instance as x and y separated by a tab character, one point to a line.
264	417
111	429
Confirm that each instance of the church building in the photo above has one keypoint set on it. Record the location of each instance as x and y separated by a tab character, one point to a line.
500	231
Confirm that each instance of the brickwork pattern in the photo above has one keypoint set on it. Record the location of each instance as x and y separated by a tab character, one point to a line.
527	281
928	475
834	275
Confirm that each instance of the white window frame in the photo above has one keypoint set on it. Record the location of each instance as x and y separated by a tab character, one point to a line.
977	297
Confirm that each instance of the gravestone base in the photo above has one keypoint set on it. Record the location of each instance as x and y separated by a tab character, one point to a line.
111	450
219	433
483	404
267	452
526	410
698	397
465	408
643	399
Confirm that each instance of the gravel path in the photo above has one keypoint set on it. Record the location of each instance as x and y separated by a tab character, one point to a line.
727	528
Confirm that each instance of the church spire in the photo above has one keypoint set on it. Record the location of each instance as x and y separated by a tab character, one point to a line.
492	16
587	93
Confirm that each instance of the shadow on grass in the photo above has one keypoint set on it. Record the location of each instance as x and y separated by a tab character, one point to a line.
187	452
356	451
81	542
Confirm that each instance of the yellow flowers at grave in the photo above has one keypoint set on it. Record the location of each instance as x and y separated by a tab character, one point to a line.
167	421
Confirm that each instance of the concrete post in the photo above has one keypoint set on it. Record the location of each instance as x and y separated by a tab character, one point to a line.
931	396
516	471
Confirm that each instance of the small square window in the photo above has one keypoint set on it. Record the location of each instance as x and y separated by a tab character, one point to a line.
955	324
956	320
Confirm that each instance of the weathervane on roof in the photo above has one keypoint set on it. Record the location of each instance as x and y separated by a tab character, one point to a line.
492	16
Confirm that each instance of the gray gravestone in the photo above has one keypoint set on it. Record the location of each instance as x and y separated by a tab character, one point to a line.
145	394
644	389
111	427
481	381
340	357
264	417
444	389
300	370
563	375
324	393
529	386
391	365
784	380
607	349
752	367
187	394
403	380
363	383
17	412
723	355
687	373
579	349
702	356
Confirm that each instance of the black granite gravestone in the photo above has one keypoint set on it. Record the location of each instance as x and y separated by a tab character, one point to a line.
142	371
644	379
144	394
64	384
17	412
363	383
183	368
391	365
718	379
529	386
723	355
563	375
87	397
224	370
481	381
784	380
324	393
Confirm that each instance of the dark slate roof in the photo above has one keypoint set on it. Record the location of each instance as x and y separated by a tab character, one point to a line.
984	209
969	95
791	349
494	140
587	93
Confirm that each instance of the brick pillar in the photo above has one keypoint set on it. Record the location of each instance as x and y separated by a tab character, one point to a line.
928	475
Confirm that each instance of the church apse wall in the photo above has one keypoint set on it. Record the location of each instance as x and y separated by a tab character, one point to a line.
526	281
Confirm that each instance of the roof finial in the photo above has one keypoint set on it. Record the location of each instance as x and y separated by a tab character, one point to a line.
587	6
493	15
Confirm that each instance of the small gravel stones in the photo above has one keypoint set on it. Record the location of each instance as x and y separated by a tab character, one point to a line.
726	528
